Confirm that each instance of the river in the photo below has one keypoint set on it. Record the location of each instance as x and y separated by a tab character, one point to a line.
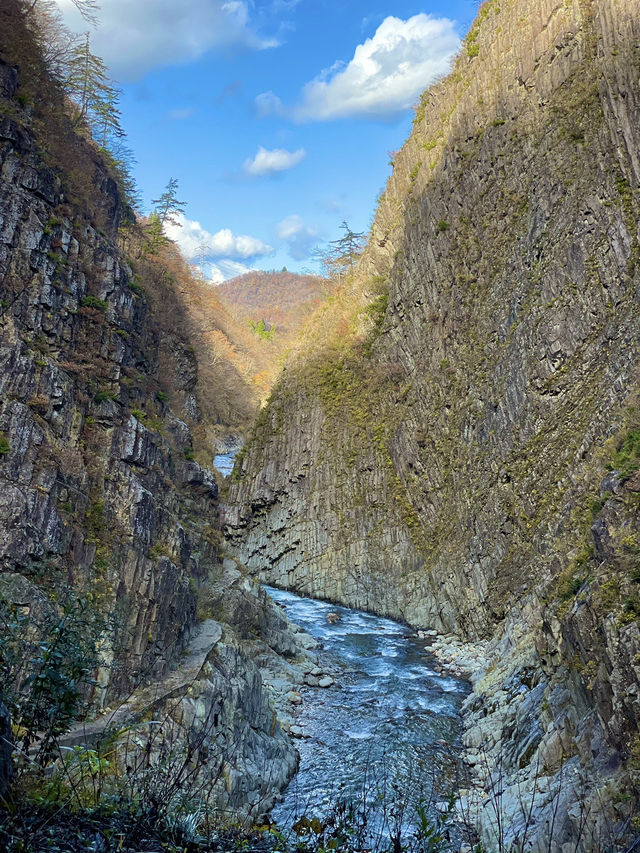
386	734
224	462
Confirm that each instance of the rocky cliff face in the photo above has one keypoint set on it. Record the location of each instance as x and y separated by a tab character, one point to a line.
445	466
103	508
92	491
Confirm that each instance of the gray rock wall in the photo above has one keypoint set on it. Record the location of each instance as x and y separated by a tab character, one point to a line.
101	500
443	468
88	488
430	480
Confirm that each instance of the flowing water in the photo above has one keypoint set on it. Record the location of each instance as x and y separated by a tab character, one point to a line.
224	462
387	731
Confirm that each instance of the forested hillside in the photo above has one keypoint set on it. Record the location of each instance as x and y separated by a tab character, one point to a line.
273	306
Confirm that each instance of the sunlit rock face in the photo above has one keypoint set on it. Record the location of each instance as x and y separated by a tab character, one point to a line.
446	469
87	485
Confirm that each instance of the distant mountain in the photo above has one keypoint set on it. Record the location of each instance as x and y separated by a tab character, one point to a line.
281	299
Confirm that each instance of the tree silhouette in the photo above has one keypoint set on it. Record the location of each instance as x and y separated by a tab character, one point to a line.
88	8
343	254
168	208
96	98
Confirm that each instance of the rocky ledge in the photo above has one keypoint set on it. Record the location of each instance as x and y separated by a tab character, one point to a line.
228	709
525	744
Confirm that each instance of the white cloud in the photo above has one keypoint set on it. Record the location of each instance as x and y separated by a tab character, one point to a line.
268	104
300	238
224	270
385	76
134	36
190	235
271	162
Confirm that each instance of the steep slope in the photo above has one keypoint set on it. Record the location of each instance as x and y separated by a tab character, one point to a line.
227	393
109	528
442	464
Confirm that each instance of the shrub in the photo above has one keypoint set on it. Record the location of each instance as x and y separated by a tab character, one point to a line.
4	445
627	459
94	517
102	396
135	285
93	302
46	668
262	330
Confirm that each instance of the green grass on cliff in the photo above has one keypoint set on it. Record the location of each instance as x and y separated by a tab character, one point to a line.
610	582
627	459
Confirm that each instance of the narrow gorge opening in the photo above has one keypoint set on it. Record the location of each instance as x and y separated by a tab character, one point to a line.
434	419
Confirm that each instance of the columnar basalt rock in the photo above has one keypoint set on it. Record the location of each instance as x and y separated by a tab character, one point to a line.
442	468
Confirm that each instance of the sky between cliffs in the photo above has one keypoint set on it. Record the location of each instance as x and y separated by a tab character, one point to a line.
276	116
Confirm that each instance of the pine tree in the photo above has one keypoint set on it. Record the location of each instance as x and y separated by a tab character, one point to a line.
154	234
168	208
89	87
340	259
118	153
106	118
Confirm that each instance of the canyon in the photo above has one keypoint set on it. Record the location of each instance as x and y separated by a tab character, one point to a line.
454	442
459	459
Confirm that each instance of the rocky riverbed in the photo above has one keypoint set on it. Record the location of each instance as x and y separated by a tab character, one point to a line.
386	721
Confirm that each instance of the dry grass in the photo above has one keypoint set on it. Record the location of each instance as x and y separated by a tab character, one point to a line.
201	351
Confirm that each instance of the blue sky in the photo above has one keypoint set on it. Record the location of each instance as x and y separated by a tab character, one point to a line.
276	117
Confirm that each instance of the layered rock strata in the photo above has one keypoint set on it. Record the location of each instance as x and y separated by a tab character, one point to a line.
445	468
108	526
